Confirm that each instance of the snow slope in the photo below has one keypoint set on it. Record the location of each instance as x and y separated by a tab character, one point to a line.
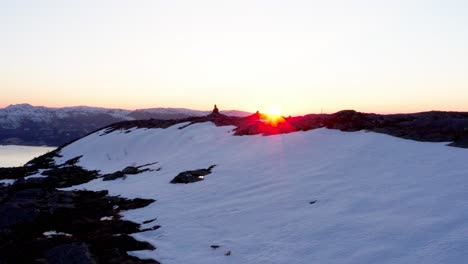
379	199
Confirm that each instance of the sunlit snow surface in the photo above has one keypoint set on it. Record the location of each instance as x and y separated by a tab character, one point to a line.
380	199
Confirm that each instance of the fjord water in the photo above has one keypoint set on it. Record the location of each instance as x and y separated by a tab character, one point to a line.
13	155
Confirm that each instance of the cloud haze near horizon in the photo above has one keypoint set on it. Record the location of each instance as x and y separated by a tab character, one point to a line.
373	56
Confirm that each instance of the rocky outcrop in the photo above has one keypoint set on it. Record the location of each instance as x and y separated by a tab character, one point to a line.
130	170
74	253
113	176
192	176
215	110
40	224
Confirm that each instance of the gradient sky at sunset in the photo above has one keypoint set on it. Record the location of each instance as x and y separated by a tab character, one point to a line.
368	55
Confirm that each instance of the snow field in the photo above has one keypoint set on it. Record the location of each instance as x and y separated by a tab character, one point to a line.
380	199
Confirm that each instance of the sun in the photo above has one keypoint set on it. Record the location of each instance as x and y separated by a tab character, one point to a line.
274	110
273	116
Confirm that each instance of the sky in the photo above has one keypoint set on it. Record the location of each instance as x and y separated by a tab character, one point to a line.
305	56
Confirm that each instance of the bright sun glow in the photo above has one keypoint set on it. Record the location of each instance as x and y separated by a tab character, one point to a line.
273	115
274	110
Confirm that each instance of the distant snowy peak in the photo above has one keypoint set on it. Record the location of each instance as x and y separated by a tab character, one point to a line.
24	124
27	109
18	106
13	116
24	108
116	113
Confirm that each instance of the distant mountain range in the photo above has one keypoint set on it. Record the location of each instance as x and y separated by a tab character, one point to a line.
24	124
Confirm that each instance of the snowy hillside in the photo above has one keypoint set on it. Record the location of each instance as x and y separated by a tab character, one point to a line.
319	196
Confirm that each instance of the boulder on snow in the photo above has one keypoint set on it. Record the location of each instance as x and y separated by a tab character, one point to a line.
192	176
113	176
130	170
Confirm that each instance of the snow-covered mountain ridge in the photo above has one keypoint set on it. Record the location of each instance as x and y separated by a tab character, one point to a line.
294	191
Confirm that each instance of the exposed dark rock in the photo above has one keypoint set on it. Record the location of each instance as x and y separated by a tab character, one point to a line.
126	204
214	246
43	162
15	214
113	176
312	202
73	161
156	227
228	253
31	207
192	176
149	221
15	172
75	253
76	213
130	170
186	177
57	177
148	164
